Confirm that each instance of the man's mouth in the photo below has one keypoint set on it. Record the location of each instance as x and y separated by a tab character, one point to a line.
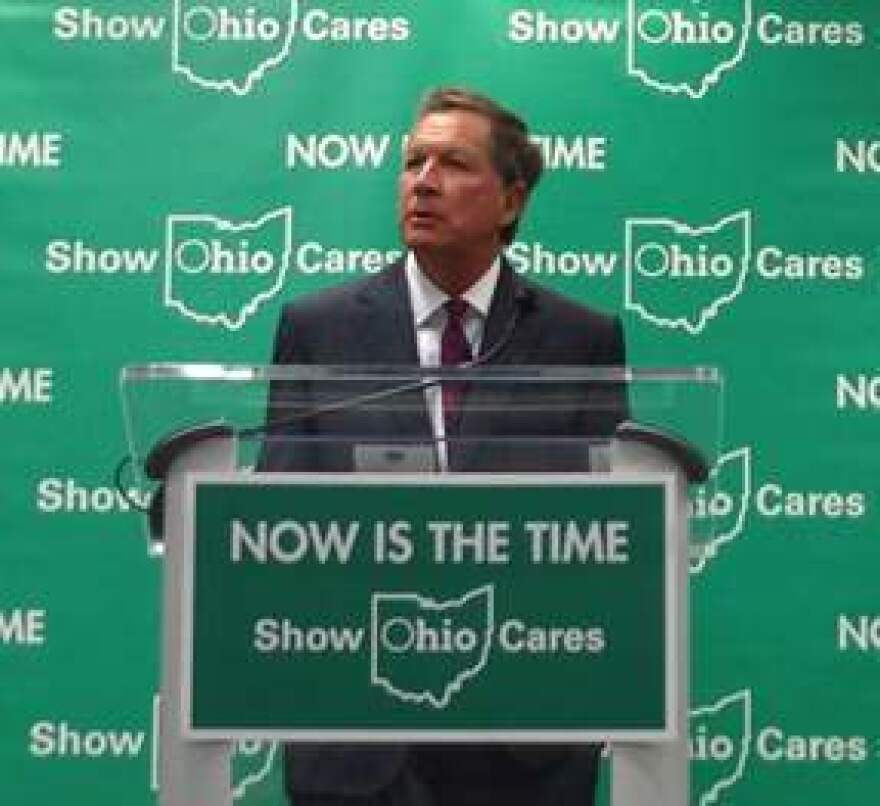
419	216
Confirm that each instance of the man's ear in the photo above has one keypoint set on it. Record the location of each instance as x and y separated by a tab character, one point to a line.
514	201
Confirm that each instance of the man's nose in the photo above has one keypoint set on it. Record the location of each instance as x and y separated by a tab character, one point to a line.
427	176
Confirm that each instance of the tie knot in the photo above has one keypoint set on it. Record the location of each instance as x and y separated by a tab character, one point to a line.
455	308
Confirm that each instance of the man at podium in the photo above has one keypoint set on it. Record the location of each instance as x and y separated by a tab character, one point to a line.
468	170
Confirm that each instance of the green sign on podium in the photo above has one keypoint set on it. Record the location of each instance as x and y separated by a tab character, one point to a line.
438	608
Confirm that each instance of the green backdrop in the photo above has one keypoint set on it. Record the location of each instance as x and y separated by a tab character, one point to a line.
172	170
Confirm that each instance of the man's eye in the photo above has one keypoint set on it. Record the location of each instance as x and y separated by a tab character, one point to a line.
413	161
458	162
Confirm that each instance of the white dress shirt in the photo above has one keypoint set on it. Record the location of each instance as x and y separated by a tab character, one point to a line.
429	320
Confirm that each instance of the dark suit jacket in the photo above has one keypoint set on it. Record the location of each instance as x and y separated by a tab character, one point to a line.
369	322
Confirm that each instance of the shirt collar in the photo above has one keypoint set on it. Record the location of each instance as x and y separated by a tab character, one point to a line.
426	298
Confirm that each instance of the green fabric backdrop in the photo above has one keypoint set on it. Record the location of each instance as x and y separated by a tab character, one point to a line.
714	177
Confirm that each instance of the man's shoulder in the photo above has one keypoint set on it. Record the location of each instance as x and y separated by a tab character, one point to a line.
564	309
570	332
344	295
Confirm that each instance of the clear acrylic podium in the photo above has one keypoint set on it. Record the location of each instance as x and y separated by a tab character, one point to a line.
579	477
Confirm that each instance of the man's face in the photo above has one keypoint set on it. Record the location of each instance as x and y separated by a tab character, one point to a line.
449	194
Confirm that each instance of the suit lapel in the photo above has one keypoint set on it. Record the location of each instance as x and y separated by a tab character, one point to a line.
502	312
387	337
504	325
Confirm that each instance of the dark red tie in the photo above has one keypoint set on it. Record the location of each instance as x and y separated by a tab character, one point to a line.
454	351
